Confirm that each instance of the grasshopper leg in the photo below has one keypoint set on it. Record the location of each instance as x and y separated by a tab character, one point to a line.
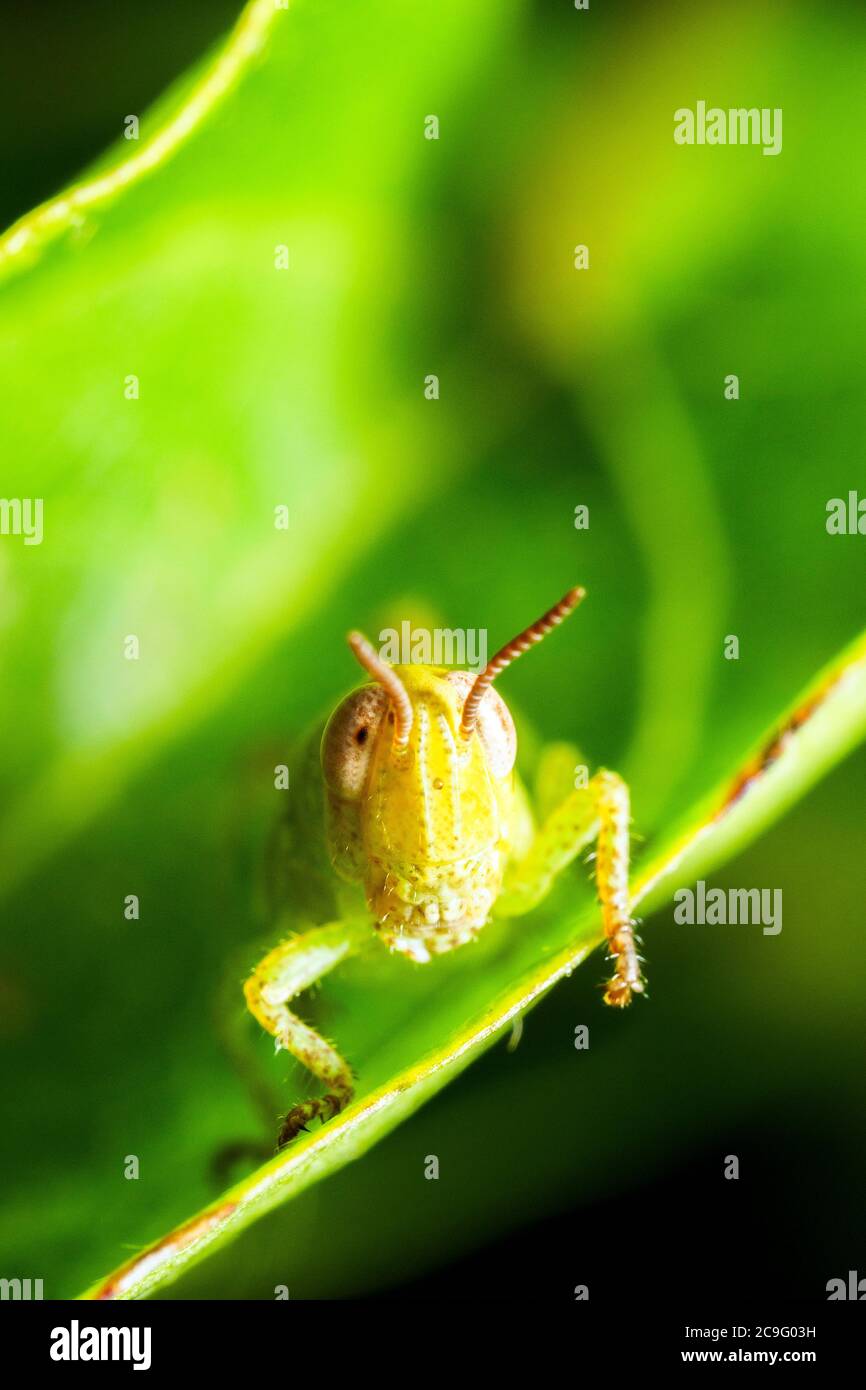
287	970
599	811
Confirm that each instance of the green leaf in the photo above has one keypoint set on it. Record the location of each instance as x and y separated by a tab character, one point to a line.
824	724
411	256
258	388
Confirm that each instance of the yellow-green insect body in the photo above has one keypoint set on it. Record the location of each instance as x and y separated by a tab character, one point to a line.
423	814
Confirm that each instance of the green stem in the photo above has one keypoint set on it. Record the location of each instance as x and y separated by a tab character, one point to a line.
27	237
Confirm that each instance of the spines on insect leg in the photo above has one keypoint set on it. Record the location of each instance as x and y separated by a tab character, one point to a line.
612	862
325	1062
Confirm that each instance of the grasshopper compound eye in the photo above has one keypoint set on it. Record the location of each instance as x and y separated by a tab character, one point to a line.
492	723
349	738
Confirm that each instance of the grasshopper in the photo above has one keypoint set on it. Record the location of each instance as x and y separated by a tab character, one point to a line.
430	833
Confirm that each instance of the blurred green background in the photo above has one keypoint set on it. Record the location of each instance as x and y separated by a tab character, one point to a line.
306	388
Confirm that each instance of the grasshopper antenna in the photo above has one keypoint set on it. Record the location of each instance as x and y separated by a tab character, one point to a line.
513	649
387	677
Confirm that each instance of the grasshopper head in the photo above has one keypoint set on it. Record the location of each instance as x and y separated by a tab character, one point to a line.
418	775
